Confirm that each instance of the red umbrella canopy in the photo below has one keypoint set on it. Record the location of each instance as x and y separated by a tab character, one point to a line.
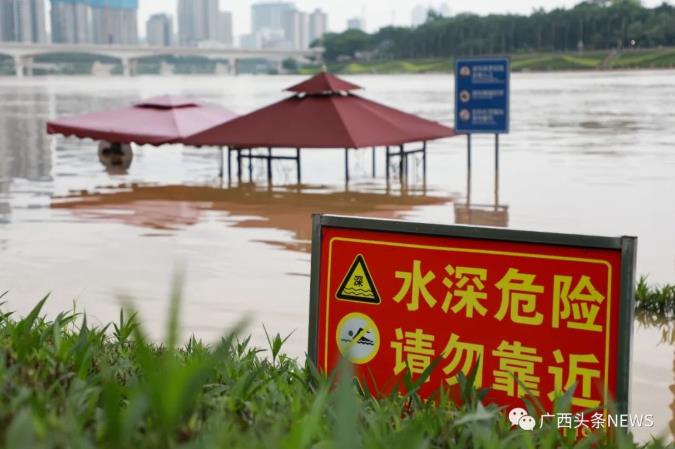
155	121
324	114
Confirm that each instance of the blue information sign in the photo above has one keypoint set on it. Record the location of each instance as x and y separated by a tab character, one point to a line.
482	95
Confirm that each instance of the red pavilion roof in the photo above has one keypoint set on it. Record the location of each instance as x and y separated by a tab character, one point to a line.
330	120
155	121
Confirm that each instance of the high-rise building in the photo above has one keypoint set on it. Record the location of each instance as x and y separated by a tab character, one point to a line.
318	25
37	21
94	21
159	30
22	21
71	22
224	32
197	21
250	41
296	28
114	21
269	16
356	23
8	14
281	25
275	25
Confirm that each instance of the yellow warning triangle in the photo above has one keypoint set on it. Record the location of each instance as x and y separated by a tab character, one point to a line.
358	285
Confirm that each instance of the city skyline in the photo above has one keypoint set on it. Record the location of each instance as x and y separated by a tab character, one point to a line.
377	13
237	19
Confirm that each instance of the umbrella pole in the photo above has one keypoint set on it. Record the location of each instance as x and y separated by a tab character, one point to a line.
374	162
269	166
297	163
386	167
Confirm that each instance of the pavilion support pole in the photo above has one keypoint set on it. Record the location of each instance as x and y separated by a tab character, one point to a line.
424	165
347	165
229	165
222	163
386	167
297	163
269	166
250	165
401	163
239	170
374	162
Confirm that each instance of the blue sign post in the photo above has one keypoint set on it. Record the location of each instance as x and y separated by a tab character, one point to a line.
482	104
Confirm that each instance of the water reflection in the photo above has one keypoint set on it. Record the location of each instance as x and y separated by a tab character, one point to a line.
672	404
171	207
495	214
664	325
24	146
659	347
482	214
4	201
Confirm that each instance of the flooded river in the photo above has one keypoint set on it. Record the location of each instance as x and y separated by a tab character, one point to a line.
588	153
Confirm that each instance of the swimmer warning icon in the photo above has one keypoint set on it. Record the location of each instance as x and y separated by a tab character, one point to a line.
358	338
358	285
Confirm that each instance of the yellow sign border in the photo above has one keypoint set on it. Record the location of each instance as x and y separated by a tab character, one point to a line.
608	327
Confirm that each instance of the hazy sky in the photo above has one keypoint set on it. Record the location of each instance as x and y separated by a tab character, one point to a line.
377	13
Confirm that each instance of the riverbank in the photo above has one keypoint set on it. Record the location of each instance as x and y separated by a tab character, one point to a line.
597	60
83	64
68	384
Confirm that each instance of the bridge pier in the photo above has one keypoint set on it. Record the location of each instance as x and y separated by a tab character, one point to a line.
165	68
18	66
231	68
234	66
28	65
128	67
278	65
222	69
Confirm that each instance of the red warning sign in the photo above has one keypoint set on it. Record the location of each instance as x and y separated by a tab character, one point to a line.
533	314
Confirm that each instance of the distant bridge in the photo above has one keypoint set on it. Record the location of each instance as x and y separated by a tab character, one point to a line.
23	54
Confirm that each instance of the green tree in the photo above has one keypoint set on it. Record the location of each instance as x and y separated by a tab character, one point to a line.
605	26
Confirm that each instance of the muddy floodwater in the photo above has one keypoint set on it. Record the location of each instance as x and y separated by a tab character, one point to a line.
588	153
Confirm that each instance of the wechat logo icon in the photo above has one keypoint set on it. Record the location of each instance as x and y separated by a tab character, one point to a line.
519	417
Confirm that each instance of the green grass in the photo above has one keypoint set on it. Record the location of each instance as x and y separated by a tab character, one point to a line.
657	300
65	384
568	61
589	60
645	59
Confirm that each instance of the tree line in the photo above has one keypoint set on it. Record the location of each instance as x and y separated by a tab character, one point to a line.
593	25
